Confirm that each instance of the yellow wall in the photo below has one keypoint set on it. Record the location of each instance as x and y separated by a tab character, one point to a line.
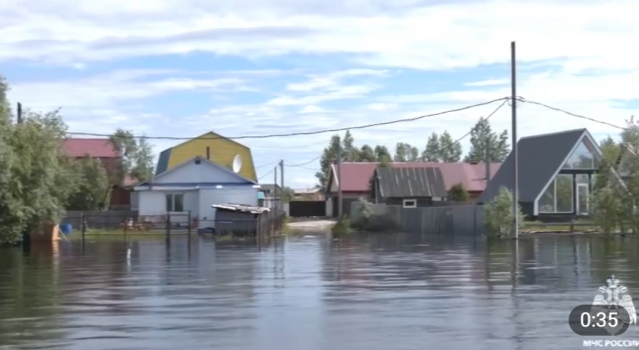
222	152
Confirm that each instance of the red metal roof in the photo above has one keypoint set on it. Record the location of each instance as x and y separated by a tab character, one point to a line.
98	148
356	176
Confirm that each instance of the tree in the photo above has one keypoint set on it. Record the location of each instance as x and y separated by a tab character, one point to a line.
367	154
92	182
137	157
382	153
458	193
482	138
35	179
449	150
431	152
498	214
350	152
329	155
404	152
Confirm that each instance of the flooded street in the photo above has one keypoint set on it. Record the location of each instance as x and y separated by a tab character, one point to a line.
377	292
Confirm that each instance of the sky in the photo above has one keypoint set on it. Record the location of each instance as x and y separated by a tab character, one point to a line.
183	68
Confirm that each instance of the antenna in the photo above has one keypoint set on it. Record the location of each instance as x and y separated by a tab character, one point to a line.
237	163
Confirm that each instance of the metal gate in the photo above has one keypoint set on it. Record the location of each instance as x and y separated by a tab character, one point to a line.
307	209
346	206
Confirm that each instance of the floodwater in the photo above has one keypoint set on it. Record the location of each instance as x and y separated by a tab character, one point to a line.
376	292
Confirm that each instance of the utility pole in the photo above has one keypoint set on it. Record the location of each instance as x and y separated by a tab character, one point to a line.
513	101
339	182
19	113
274	205
487	161
282	182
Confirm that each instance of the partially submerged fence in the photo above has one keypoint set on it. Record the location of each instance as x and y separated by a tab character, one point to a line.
465	220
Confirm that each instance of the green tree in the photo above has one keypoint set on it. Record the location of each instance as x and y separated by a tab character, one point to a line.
499	215
367	154
137	157
482	138
382	153
449	150
35	179
350	151
404	152
92	182
458	193
431	152
329	155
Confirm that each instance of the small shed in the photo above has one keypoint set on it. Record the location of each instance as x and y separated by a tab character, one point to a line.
238	219
408	187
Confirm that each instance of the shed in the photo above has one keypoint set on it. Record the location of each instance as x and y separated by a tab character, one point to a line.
408	187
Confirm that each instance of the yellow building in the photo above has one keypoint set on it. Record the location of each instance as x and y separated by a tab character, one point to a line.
218	149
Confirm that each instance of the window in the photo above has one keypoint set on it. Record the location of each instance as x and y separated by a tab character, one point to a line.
584	157
410	203
558	197
174	202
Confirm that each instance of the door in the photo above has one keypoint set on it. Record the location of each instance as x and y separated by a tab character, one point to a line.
583	200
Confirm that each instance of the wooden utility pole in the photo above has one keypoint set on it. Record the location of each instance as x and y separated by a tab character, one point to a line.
275	188
282	182
339	182
513	101
19	113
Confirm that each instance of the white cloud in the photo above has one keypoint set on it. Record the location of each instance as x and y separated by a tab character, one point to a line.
594	69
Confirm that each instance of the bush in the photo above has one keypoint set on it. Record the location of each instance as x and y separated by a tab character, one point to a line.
368	221
458	193
498	214
341	227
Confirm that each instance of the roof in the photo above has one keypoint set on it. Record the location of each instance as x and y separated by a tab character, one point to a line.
356	176
241	208
98	148
540	157
269	187
202	159
410	182
163	158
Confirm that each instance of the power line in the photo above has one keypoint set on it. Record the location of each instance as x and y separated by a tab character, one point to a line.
267	164
265	175
306	132
570	113
490	115
305	163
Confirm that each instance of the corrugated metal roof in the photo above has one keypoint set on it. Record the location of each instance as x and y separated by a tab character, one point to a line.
98	148
539	158
410	182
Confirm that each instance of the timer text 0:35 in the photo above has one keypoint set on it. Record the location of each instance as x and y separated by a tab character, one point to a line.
589	320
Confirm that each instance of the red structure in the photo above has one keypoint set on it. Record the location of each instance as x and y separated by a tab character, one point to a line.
103	150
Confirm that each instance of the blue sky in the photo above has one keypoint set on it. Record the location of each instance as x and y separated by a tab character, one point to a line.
274	66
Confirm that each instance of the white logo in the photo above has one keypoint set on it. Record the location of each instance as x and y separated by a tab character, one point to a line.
615	295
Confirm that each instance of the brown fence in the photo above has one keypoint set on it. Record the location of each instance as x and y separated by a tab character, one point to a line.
467	220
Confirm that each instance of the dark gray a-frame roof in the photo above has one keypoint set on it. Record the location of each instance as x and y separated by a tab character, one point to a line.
539	159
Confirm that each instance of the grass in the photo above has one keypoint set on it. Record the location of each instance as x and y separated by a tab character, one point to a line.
578	226
341	227
120	234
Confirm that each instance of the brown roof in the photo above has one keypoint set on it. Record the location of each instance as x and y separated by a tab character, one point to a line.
98	148
356	176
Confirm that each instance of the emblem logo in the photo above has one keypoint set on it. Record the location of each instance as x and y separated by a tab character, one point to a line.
615	296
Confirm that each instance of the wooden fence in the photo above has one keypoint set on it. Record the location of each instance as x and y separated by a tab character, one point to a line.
466	220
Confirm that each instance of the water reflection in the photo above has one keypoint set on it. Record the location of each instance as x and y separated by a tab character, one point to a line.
365	292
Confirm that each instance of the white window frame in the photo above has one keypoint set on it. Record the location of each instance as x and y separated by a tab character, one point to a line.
405	205
173	195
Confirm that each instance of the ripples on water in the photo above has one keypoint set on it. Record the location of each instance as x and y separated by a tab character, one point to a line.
379	292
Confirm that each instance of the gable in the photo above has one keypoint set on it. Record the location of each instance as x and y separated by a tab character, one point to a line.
407	182
199	170
540	158
585	156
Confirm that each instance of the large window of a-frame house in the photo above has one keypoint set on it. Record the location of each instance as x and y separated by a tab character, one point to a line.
569	191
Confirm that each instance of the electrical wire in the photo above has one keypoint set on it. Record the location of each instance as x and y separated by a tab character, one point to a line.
267	164
490	115
570	113
305	163
306	132
265	175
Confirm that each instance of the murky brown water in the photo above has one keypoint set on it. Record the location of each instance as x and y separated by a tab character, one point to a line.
384	292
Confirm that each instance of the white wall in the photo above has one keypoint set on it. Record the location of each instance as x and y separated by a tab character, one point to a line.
227	195
194	173
153	204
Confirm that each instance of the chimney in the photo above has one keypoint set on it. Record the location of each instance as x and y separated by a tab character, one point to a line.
208	153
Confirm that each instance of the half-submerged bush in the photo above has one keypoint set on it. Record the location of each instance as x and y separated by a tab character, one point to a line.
369	221
499	214
341	227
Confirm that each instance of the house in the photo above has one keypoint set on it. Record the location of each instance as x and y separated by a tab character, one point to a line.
409	187
356	179
190	189
556	175
214	147
309	194
105	151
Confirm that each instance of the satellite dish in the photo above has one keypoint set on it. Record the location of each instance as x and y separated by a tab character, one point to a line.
237	163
